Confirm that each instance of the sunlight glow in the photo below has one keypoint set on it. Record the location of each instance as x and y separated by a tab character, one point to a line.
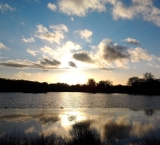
69	118
75	77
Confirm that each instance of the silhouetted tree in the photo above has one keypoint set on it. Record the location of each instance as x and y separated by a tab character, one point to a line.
91	85
147	85
103	85
133	81
91	82
148	76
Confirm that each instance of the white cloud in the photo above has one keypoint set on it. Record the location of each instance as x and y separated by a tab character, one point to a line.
66	50
11	41
132	41
32	52
85	34
21	74
28	40
6	7
121	11
81	7
71	46
2	46
60	27
109	54
52	7
113	2
23	23
56	36
72	19
48	50
64	53
143	8
138	54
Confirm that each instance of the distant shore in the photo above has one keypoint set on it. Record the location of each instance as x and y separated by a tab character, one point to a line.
137	86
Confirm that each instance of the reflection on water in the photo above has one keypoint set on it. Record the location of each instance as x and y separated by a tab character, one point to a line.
115	118
122	125
78	100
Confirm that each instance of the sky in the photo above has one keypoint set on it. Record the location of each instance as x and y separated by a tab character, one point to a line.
70	41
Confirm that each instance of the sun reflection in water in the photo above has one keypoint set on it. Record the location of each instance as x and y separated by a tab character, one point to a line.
71	117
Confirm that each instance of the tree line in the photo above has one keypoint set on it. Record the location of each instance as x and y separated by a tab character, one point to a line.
148	85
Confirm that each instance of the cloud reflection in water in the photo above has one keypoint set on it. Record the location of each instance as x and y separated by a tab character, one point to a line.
117	124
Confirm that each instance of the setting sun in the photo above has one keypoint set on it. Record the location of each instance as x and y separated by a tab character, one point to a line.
74	77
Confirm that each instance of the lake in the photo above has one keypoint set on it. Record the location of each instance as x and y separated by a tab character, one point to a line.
127	118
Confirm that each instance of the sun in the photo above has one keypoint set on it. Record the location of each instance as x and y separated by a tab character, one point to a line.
73	78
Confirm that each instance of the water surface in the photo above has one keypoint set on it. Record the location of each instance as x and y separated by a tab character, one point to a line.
126	117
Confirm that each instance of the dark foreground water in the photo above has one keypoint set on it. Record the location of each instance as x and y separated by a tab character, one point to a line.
124	118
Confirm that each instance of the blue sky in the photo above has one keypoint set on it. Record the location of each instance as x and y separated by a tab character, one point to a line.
73	40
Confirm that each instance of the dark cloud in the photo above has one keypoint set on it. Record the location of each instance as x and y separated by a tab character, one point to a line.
72	64
83	56
43	64
111	52
50	62
6	64
107	69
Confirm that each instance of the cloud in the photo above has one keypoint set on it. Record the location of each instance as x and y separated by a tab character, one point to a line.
50	62
66	50
23	23
72	19
107	69
83	56
71	46
16	63
11	41
64	53
85	34
21	73
131	40
52	7
2	46
72	64
138	54
144	9
111	52
42	64
113	2
80	7
6	7
48	50
60	27
56	36
111	55
32	52
121	11
28	40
